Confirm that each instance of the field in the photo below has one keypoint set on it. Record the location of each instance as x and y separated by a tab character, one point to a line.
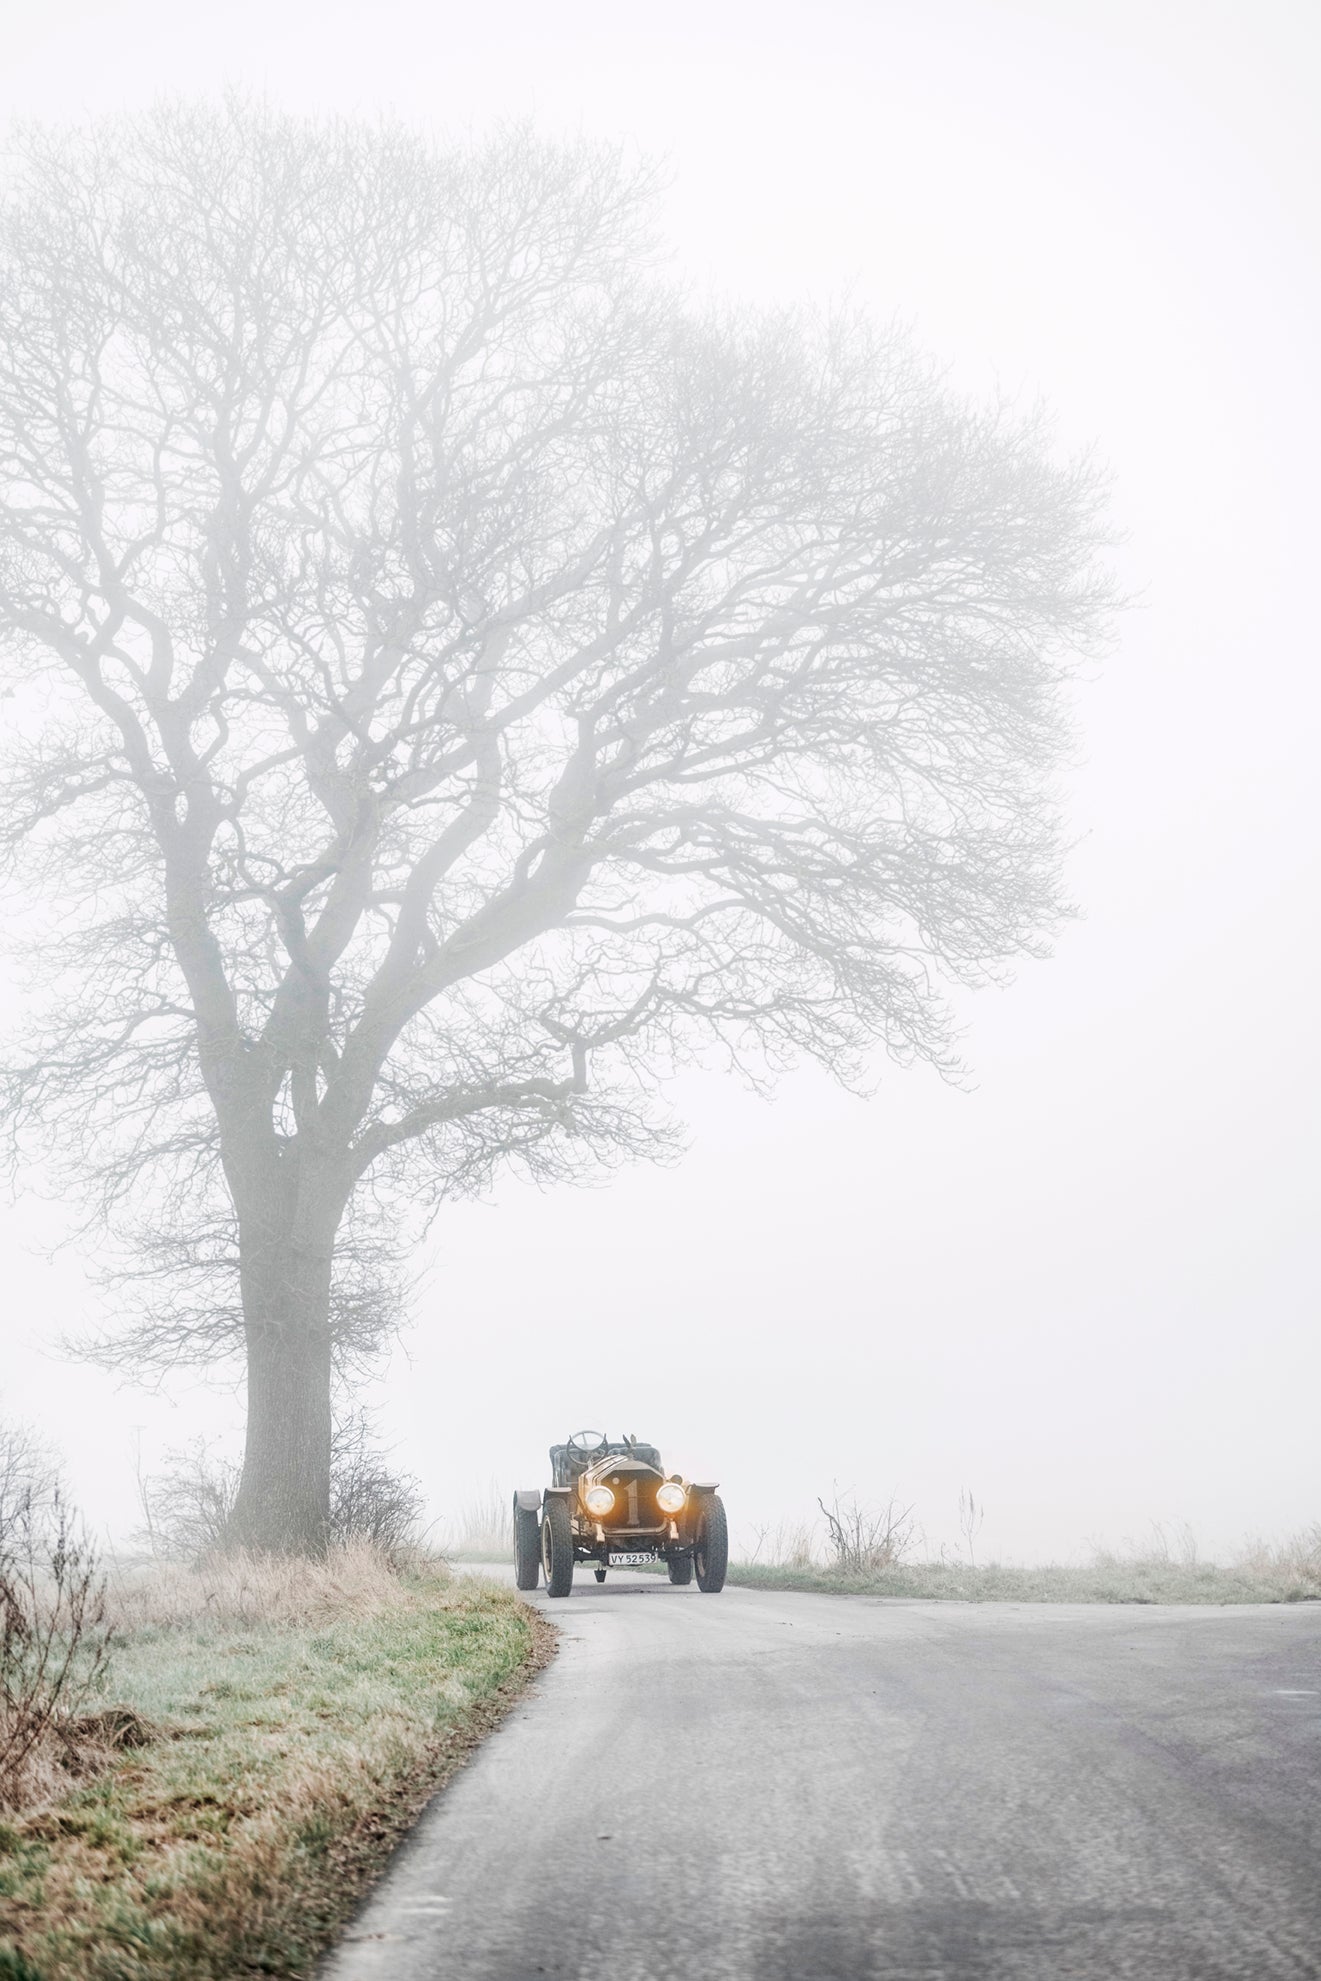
267	1734
1162	1572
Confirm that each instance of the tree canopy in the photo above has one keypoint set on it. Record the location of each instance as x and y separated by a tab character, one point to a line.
454	678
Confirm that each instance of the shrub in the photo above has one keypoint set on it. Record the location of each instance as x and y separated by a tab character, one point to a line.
862	1538
187	1505
55	1641
369	1502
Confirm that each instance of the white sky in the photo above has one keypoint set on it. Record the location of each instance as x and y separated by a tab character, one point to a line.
1088	1288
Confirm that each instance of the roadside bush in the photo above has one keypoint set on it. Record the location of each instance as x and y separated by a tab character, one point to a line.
863	1539
187	1504
55	1641
369	1502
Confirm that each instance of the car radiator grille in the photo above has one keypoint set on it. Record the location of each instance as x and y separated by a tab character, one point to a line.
621	1521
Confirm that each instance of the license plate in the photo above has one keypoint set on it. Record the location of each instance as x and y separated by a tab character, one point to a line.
629	1561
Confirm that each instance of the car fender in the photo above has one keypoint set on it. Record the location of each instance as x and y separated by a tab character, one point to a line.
527	1502
558	1493
699	1492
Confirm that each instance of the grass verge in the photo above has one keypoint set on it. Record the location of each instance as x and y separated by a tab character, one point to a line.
1109	1579
271	1742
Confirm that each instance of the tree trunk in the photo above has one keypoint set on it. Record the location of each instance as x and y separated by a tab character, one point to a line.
283	1504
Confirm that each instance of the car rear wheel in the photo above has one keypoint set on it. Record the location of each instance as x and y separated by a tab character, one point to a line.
711	1554
681	1570
527	1548
557	1547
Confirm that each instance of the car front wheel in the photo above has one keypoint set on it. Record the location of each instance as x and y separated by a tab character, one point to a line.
711	1554
557	1547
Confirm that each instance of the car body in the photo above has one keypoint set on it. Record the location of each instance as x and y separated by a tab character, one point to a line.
612	1504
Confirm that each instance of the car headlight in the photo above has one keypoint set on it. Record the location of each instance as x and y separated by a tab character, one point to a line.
598	1499
670	1498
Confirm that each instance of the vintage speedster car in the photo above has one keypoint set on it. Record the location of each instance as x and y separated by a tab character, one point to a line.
612	1504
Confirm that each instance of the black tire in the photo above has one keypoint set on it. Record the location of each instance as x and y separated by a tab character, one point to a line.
681	1570
711	1552
527	1548
557	1547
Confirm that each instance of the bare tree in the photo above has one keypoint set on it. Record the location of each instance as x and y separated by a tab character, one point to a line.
454	679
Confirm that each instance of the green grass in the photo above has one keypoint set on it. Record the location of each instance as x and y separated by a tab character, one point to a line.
285	1757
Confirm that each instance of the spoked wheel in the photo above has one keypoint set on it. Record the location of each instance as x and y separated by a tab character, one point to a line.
711	1553
557	1547
527	1548
681	1570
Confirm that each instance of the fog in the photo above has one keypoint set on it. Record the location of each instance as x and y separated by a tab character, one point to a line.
1083	1284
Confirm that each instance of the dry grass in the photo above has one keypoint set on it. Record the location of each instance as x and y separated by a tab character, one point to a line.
790	1545
1298	1559
483	1530
356	1580
272	1731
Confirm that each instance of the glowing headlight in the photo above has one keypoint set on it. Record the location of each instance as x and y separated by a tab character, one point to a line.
598	1499
670	1498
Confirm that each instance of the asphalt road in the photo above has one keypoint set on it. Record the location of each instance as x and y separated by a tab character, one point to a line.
756	1787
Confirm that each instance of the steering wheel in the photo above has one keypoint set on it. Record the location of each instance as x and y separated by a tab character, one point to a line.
587	1441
